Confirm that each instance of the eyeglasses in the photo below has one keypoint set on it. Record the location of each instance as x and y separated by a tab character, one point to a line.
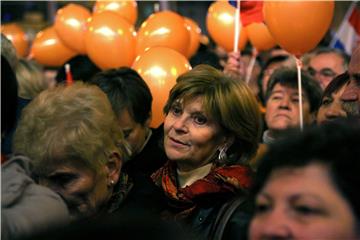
325	72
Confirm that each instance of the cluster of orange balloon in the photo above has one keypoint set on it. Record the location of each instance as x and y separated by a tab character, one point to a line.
298	26
220	23
70	25
165	29
49	50
195	35
126	9
260	36
164	42
17	36
107	35
159	67
110	40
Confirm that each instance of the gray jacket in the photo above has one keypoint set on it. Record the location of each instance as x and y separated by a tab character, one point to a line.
27	207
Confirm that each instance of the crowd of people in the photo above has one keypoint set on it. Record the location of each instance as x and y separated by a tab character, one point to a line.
229	161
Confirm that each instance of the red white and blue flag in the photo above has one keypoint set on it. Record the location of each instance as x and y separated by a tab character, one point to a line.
250	11
348	35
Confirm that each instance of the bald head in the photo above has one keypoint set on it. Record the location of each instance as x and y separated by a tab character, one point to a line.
354	65
351	94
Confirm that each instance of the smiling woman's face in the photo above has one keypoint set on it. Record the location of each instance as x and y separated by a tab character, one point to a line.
191	137
83	191
302	203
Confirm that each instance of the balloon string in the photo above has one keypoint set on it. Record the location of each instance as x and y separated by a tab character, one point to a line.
299	66
156	7
251	65
69	78
237	26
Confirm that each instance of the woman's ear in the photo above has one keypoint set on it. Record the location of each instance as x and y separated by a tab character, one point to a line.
229	140
113	168
148	120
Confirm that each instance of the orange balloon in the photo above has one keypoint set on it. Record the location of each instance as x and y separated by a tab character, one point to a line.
17	36
298	26
125	8
163	29
110	40
160	67
259	36
220	23
70	25
49	50
195	35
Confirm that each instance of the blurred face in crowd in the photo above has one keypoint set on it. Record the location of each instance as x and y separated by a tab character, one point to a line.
325	66
191	137
267	74
351	95
282	108
332	107
83	190
134	132
254	73
302	203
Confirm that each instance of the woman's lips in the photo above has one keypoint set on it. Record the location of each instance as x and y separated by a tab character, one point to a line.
177	142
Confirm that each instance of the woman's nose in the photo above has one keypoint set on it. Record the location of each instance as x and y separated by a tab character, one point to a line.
285	103
180	124
275	226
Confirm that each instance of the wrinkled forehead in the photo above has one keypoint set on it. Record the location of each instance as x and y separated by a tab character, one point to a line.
354	65
289	89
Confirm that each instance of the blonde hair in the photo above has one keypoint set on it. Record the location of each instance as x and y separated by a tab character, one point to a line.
229	102
69	124
31	79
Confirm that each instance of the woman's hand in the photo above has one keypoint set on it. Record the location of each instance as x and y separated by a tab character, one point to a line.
235	66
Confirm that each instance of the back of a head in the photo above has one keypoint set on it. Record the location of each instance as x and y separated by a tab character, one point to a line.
81	67
8	51
31	79
287	77
229	102
126	89
334	145
9	92
206	56
68	123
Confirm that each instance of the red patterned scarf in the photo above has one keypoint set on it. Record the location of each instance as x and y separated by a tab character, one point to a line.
220	182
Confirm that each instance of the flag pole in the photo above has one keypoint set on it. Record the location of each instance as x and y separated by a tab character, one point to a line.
237	26
298	66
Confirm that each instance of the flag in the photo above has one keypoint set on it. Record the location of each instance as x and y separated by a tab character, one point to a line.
250	11
348	35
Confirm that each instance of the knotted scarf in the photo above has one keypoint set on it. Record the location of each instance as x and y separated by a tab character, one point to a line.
220	183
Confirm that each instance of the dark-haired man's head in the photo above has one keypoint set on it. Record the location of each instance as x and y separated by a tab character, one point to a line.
131	101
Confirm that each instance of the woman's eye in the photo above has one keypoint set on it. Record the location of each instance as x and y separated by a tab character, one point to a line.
306	210
295	100
127	133
261	208
175	110
276	97
326	101
201	120
62	179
